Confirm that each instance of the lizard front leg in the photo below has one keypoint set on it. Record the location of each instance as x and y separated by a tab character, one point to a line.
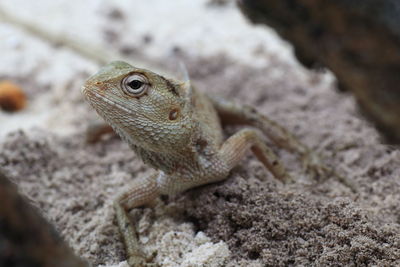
142	191
233	150
231	113
226	158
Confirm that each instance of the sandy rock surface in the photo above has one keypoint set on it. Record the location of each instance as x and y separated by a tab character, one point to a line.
248	220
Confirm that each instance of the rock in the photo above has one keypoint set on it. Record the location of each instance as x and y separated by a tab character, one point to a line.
358	40
26	238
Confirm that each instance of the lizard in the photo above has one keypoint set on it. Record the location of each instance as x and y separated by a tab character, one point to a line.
177	130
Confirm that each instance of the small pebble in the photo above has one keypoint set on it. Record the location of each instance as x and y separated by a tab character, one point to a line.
12	98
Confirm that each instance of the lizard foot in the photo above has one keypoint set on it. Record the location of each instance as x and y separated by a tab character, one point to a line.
312	164
319	172
140	260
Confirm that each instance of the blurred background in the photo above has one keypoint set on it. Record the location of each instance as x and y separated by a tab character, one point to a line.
36	55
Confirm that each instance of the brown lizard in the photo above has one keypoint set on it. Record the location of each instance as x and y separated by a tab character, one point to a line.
177	130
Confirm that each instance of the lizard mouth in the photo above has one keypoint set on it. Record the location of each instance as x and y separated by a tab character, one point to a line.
107	106
84	90
102	102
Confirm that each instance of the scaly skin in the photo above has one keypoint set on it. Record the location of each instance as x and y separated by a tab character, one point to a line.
177	130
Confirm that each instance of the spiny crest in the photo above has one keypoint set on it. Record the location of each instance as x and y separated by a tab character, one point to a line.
186	86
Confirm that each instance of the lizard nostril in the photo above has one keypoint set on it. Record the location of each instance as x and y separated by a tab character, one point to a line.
173	114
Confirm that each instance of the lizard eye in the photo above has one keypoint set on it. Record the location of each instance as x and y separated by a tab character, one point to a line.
135	84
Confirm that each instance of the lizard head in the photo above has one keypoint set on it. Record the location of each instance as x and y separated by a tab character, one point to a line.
144	108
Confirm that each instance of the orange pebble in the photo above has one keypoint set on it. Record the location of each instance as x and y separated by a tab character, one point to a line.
12	98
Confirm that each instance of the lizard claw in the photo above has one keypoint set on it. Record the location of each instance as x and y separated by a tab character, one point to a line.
313	165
